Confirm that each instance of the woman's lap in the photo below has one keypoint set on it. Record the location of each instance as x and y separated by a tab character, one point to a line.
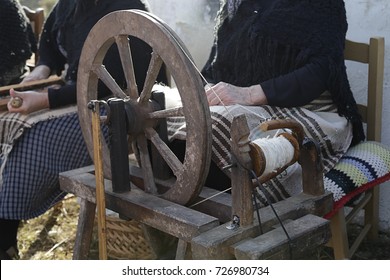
30	178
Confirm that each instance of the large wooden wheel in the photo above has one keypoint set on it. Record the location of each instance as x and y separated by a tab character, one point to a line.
115	28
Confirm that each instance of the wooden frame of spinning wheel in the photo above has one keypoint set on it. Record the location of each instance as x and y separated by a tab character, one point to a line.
203	226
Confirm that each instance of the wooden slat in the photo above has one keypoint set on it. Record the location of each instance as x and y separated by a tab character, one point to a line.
356	51
209	201
306	234
214	203
151	210
215	243
242	187
4	90
375	89
37	19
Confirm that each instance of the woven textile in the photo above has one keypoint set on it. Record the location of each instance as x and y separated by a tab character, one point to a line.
331	131
362	167
30	177
12	126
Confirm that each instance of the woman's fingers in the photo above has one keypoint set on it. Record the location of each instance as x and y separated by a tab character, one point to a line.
225	94
215	94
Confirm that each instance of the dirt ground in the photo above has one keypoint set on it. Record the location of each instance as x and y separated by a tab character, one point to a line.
51	237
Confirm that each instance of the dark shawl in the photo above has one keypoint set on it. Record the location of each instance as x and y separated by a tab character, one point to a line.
17	41
63	37
279	37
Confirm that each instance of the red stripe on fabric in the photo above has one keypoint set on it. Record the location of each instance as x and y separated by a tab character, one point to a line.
339	204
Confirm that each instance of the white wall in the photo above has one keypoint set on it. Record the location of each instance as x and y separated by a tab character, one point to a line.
193	20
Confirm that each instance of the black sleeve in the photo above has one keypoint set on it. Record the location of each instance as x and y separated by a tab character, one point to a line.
67	94
49	53
299	87
62	96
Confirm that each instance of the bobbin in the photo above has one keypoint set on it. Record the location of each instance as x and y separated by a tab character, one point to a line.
259	160
295	138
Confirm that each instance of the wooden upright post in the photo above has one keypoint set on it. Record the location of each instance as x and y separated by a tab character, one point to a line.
242	187
100	192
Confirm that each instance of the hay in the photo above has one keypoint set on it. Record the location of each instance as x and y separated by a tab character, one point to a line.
52	235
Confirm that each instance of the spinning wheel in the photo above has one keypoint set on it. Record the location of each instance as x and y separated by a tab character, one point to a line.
115	28
203	225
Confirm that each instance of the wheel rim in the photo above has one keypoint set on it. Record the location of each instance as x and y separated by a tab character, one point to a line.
115	29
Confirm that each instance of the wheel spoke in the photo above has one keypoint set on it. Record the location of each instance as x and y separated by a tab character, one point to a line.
108	80
150	185
167	113
124	48
153	70
170	158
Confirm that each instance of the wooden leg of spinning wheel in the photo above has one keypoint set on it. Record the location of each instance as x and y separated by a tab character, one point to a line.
181	250
100	192
84	230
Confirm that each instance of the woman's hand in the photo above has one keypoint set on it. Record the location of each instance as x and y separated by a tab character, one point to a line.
31	101
39	73
227	94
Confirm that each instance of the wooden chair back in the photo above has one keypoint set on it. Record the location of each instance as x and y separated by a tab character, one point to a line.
371	54
37	19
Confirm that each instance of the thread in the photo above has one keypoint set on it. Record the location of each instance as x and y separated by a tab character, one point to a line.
278	152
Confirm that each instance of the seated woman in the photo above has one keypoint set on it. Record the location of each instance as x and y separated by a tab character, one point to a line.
41	143
17	42
277	59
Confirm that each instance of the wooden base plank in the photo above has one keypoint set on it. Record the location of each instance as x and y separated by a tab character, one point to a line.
305	233
174	219
216	243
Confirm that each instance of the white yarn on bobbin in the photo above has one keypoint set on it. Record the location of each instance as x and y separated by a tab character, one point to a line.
278	152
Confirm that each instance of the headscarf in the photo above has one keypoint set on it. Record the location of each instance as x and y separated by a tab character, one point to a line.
228	9
232	6
17	41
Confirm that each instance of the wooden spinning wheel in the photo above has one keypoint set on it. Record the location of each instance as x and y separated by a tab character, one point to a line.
206	225
115	28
